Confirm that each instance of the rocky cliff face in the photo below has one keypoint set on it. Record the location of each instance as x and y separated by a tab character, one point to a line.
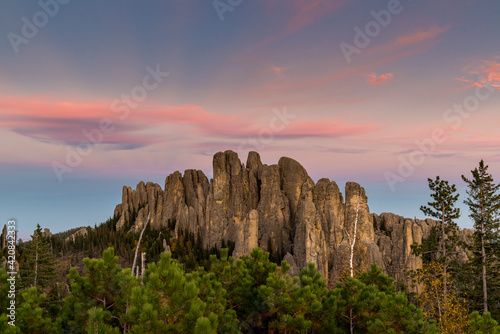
280	209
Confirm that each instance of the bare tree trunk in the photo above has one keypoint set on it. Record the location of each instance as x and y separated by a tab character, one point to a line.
125	328
485	287
139	243
143	267
443	235
351	322
352	243
354	239
483	261
439	308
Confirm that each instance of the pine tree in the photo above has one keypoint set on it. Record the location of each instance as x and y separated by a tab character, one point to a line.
483	324
38	269
204	326
100	287
237	279
173	301
31	317
96	325
443	208
484	207
294	308
5	328
370	304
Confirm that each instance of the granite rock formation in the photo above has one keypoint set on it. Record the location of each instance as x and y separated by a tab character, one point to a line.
3	237
280	209
81	232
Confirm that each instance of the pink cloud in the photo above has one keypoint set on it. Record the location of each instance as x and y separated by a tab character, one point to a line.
378	57
308	11
371	60
64	122
326	128
372	78
455	128
491	69
304	13
277	71
483	73
421	36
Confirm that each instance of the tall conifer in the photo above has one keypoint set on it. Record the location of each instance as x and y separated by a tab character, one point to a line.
484	207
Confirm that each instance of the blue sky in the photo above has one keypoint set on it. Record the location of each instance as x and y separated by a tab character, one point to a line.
422	93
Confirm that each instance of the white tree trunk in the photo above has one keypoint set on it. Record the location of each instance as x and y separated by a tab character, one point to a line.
143	267
138	244
125	328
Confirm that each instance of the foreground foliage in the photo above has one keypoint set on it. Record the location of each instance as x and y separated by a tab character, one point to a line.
247	295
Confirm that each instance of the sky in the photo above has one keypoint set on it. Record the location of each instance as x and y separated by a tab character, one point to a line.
95	95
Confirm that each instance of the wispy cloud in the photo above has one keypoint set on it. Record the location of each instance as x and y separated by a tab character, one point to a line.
373	79
324	128
61	122
278	71
302	14
421	36
482	73
342	150
308	11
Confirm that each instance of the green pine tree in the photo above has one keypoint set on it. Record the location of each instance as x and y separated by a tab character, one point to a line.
96	324
38	268
480	324
101	286
204	326
31	317
484	207
443	208
370	304
174	301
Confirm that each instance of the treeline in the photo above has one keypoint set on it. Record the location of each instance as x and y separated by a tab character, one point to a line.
249	295
64	253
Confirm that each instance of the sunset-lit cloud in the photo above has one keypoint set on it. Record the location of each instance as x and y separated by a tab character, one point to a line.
63	122
278	71
308	11
324	128
483	73
373	79
300	14
421	36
